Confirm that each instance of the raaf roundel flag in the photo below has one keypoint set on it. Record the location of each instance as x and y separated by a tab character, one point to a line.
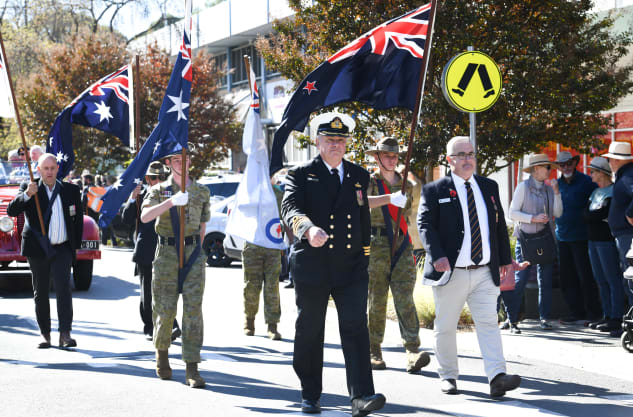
6	103
381	69
255	215
170	134
104	105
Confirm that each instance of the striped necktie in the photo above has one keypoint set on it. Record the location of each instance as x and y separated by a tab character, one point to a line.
475	231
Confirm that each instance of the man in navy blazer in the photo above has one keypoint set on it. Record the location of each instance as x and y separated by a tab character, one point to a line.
50	256
464	233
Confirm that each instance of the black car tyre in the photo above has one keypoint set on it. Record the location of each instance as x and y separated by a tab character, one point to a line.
627	341
82	275
214	250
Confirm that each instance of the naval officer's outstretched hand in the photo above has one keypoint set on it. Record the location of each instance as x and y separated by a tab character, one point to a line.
316	236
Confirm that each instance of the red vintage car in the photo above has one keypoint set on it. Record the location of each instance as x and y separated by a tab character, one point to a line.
11	175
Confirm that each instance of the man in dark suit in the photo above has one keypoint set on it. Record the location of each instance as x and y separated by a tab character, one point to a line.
145	248
326	205
464	233
51	254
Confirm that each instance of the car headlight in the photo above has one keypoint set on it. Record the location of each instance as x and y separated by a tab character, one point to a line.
6	224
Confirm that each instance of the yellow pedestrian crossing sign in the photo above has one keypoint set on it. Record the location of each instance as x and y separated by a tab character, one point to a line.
471	82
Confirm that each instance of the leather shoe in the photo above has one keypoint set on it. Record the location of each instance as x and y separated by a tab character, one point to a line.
289	285
46	343
364	405
175	333
310	406
65	341
502	383
449	386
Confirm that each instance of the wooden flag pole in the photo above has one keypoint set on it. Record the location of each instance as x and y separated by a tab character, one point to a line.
19	122
247	64
416	116
137	124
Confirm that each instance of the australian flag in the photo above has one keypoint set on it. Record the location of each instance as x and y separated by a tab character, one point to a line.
104	105
170	134
380	69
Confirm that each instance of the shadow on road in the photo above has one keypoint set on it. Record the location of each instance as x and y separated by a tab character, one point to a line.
108	288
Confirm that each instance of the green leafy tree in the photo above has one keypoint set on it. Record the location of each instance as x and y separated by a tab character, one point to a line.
558	63
67	71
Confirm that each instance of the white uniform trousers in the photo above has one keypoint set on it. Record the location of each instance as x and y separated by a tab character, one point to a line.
477	289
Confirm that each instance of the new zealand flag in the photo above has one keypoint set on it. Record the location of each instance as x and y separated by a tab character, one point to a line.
170	134
104	105
380	69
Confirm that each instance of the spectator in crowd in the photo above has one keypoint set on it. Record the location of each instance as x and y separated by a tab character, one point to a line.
576	280
603	252
534	207
35	153
621	209
87	179
22	153
108	231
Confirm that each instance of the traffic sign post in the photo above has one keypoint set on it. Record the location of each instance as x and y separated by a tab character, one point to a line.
471	83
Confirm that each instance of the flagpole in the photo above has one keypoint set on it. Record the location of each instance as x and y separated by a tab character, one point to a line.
416	116
137	124
19	122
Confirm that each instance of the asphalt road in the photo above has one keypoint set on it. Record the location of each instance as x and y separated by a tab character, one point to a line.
568	372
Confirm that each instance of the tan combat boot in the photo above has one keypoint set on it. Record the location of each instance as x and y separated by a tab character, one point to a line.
249	327
273	334
192	376
416	360
162	364
376	358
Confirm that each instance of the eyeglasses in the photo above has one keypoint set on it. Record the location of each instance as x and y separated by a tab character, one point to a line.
567	163
152	177
462	156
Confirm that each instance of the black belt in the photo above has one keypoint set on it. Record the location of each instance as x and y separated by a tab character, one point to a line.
470	267
379	231
171	241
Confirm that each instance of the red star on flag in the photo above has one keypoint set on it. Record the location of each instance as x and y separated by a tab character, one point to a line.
310	86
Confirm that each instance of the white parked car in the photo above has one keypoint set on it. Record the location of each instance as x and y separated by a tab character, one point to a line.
214	235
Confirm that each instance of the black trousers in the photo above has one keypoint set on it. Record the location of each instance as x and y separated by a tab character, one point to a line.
351	305
576	280
57	268
145	278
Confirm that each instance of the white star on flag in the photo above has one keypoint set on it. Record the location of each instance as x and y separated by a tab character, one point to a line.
178	106
65	158
50	140
117	184
103	111
60	156
156	147
137	181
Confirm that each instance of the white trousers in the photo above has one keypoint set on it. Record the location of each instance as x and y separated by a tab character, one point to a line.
477	289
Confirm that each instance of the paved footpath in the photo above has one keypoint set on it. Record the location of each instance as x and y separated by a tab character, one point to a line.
569	371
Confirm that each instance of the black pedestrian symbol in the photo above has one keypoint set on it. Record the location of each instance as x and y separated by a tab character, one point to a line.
468	75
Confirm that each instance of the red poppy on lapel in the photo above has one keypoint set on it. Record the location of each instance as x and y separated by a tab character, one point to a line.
452	192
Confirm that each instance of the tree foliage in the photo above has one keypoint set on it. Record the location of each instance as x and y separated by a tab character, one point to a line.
558	63
66	71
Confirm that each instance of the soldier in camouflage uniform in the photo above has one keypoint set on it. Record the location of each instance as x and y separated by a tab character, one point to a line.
401	279
262	266
165	284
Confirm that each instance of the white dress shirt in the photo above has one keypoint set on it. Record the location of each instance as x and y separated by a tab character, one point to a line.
339	167
463	259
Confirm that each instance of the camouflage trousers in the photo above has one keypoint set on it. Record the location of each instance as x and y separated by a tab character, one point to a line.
261	268
401	285
165	301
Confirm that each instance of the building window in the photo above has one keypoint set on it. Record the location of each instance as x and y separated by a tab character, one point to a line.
220	63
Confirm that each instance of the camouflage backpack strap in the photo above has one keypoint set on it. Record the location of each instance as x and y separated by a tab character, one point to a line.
175	225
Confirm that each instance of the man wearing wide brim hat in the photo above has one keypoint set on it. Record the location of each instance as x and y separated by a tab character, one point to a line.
385	198
145	247
621	211
577	282
168	279
539	159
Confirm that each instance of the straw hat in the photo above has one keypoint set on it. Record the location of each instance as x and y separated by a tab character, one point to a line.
619	150
564	156
600	164
387	144
538	160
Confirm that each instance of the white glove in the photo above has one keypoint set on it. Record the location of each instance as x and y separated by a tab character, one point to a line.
398	199
180	198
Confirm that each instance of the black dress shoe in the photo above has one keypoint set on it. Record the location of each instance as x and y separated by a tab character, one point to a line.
502	383
175	333
289	285
67	342
449	386
46	343
364	405
310	406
